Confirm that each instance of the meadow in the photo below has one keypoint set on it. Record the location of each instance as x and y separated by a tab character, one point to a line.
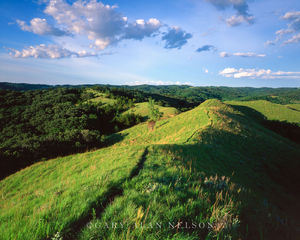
212	165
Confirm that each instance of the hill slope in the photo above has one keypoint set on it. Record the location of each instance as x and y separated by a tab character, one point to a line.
272	111
209	173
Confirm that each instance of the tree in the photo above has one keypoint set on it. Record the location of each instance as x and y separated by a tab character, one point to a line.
154	114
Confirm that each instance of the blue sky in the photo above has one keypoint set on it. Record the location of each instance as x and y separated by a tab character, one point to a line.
197	42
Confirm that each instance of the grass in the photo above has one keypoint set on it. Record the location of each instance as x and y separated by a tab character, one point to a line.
142	109
212	165
295	106
272	111
48	196
100	97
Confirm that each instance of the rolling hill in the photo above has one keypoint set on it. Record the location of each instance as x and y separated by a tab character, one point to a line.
142	109
209	173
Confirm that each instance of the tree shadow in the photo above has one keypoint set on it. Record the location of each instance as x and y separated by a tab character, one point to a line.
249	112
114	138
283	128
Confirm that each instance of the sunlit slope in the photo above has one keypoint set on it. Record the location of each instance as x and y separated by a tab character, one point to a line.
46	197
100	97
272	111
178	129
142	109
211	164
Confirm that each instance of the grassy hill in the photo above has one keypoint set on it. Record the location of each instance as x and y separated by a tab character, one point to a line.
142	109
209	173
99	97
272	111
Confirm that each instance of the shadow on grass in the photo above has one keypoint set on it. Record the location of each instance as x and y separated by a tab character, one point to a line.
271	209
283	128
97	207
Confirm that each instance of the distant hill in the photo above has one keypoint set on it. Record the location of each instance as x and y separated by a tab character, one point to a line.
22	86
213	172
186	94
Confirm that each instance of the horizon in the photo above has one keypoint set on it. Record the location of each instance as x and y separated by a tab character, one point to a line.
114	85
199	43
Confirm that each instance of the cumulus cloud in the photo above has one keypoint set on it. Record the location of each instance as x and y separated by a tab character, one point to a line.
51	51
240	54
40	26
292	31
206	48
242	11
175	38
102	24
258	74
141	29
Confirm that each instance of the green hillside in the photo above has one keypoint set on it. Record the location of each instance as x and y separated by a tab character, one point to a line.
295	106
142	109
99	97
272	111
212	165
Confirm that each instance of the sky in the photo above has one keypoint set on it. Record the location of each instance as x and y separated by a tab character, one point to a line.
238	43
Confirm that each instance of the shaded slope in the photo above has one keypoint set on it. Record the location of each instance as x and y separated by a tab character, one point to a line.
272	111
212	164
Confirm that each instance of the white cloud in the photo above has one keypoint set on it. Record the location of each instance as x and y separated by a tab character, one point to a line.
157	82
237	20
101	24
258	74
41	27
176	37
224	54
51	51
292	30
240	54
293	39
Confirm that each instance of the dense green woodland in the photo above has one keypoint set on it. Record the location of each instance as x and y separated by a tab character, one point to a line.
40	124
